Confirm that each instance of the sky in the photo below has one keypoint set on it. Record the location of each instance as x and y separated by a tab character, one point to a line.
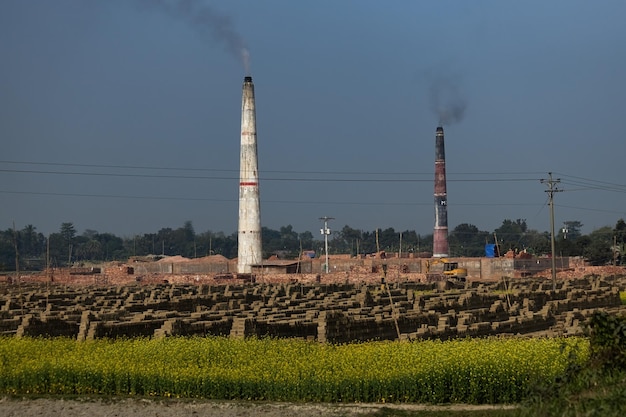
123	116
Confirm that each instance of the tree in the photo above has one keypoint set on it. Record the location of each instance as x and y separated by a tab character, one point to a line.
91	250
510	235
143	245
7	251
284	243
367	243
271	241
182	241
410	241
389	240
620	239
68	233
188	231
306	240
598	250
538	243
112	247
289	241
227	245
570	230
567	247
205	244
348	239
467	240
164	241
90	234
58	249
620	231
32	242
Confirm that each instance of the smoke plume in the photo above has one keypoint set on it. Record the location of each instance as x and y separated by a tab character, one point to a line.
446	99
206	19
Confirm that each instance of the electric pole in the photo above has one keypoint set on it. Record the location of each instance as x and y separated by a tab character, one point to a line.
551	190
326	232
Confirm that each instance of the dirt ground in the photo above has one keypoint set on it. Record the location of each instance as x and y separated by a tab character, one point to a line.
153	408
143	407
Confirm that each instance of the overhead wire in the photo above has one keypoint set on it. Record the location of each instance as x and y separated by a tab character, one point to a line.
188	177
583	183
325	202
590	184
135	167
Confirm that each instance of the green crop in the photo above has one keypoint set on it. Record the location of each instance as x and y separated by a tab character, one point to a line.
493	370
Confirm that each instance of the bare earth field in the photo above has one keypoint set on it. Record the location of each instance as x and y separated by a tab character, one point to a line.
148	407
172	408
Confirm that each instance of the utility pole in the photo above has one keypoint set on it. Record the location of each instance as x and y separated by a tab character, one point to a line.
17	268
551	190
17	256
377	245
326	232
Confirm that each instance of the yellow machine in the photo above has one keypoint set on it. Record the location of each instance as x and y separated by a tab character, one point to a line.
451	270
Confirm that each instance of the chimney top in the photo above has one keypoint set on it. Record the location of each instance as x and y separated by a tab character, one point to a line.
247	79
439	129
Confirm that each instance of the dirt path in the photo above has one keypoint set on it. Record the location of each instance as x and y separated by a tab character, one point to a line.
170	408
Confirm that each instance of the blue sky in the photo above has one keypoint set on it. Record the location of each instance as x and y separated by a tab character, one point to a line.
123	116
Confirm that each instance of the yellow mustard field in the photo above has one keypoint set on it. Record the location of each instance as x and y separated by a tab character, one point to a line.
471	370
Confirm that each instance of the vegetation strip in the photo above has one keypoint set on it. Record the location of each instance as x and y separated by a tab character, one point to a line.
477	371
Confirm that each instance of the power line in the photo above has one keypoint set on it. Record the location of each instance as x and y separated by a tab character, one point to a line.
593	181
137	197
429	173
299	202
588	209
195	177
584	184
579	181
587	184
134	197
587	187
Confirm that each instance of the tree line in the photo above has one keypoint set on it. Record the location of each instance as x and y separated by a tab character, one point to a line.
31	250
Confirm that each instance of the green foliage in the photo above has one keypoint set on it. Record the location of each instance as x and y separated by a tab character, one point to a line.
598	251
465	240
620	240
598	387
462	371
285	243
68	232
510	234
607	335
570	230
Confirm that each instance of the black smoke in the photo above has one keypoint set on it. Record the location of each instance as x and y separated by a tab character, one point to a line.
446	98
208	20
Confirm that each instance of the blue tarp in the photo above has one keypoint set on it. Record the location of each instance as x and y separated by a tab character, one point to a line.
490	250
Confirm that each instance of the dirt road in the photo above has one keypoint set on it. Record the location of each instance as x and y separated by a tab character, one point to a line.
170	408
